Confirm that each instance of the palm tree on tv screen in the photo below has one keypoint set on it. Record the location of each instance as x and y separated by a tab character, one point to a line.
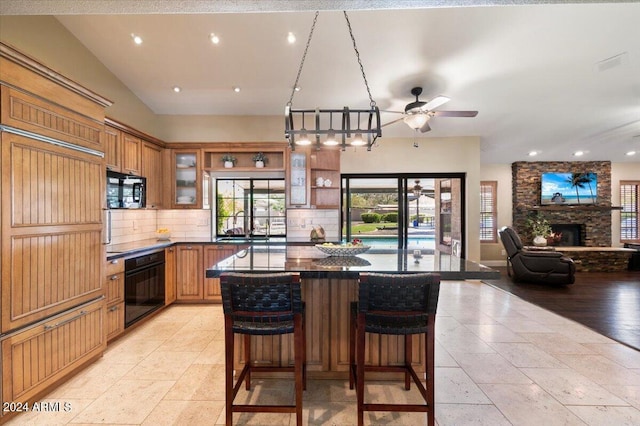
578	181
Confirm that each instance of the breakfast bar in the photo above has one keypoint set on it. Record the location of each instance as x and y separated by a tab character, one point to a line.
329	285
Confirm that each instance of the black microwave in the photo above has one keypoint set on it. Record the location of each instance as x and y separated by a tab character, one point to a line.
125	191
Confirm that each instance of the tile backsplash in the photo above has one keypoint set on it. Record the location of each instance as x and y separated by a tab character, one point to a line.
136	225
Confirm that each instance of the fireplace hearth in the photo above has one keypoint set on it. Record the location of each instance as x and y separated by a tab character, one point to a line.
570	234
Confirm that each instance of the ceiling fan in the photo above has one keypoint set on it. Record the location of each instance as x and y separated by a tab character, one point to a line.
417	114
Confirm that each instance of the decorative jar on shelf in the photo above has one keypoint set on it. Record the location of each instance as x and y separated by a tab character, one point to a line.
539	241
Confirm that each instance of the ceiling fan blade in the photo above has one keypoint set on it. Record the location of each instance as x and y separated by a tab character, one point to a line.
425	128
455	113
392	122
435	103
393	112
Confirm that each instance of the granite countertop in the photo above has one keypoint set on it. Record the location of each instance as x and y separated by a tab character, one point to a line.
311	263
115	251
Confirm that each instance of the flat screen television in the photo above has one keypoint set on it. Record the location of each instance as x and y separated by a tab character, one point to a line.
569	188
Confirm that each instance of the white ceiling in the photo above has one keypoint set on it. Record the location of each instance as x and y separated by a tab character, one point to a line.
530	70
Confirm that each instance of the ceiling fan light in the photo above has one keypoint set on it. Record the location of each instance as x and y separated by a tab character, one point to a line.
416	121
357	140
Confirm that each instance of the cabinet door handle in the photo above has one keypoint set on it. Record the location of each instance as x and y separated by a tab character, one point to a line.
56	325
115	262
171	250
113	308
189	248
114	277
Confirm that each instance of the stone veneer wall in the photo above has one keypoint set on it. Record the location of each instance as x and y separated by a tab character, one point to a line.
596	219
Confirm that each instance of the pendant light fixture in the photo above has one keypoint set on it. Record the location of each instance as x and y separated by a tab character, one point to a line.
344	135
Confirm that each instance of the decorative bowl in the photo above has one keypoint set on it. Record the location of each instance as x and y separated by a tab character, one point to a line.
163	235
336	250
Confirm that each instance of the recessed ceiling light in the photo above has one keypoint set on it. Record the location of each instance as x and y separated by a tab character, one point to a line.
291	37
578	153
136	38
176	89
630	153
236	89
533	153
214	38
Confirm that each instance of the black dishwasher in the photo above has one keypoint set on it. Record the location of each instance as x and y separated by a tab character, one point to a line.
143	286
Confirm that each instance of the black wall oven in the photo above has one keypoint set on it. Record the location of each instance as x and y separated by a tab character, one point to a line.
143	286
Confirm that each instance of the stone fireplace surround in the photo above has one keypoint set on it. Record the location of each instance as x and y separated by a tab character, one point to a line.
594	220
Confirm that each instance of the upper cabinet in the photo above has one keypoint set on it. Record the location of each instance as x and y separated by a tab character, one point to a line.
113	148
131	154
314	179
151	162
298	179
187	182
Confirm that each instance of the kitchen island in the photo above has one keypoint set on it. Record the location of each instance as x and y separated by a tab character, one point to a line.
329	285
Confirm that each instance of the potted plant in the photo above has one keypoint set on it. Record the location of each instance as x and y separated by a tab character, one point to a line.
541	229
228	160
260	159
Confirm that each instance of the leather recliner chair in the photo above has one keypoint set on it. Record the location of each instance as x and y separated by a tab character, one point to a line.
539	266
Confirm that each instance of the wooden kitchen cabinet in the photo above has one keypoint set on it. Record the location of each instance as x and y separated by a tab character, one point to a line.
151	158
114	295
53	259
169	275
113	148
189	272
131	154
191	263
212	255
298	178
38	356
187	179
53	186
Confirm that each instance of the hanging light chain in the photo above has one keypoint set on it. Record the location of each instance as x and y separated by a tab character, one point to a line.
304	55
355	48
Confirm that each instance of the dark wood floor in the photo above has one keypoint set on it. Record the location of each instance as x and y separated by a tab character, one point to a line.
608	303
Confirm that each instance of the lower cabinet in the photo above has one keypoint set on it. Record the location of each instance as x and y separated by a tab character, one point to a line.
114	294
191	263
114	321
169	275
189	272
212	255
40	355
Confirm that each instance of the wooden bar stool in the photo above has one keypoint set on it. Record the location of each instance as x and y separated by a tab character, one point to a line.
262	304
398	305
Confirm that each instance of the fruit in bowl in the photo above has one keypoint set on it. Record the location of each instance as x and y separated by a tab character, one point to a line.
163	234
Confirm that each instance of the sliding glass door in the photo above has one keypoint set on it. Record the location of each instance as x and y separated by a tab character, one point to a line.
417	212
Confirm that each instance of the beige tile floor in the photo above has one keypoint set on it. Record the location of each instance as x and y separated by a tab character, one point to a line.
499	361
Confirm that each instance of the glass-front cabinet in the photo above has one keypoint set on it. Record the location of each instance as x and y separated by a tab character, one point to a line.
187	184
298	179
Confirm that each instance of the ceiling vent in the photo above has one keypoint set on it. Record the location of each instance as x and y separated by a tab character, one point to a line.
612	62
